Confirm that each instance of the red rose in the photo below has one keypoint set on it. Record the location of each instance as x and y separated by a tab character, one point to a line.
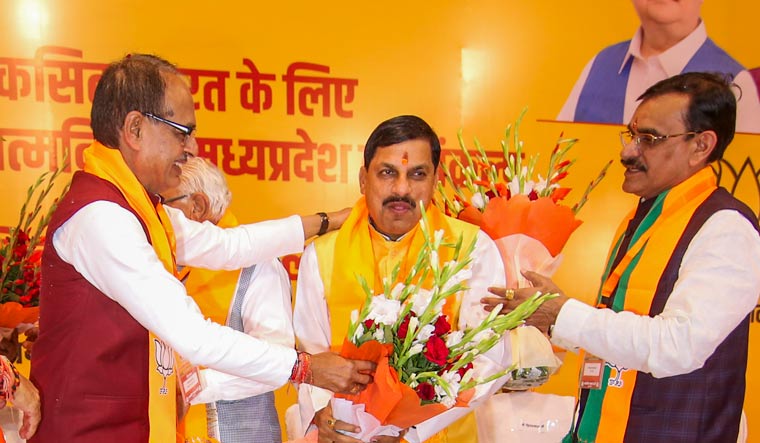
368	324
403	328
425	391
442	325
436	350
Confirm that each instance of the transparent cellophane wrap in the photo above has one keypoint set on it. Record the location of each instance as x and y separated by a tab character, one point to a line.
534	357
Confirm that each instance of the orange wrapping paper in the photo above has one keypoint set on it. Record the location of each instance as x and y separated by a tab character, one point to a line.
12	314
541	219
387	399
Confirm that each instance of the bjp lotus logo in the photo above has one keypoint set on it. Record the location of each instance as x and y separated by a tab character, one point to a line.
616	381
164	362
740	178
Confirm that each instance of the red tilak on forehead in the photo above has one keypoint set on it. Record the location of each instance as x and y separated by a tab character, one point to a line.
405	158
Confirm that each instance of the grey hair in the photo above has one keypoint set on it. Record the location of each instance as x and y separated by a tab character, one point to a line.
200	175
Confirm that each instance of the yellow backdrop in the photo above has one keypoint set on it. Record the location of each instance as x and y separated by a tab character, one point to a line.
287	93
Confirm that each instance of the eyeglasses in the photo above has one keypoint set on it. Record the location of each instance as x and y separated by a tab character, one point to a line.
645	141
173	199
186	131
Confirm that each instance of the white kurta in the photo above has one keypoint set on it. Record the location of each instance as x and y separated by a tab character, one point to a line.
312	327
107	245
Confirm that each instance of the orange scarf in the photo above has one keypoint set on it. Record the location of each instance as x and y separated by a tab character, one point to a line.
636	278
108	164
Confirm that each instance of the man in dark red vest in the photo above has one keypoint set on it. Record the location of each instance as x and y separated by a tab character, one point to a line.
112	312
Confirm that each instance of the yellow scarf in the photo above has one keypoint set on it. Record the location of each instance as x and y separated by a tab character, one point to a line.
357	249
108	164
354	254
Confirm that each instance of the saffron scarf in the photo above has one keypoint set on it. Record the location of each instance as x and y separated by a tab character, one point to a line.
108	164
357	249
354	254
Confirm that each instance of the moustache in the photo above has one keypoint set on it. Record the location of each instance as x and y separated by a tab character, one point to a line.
631	162
402	199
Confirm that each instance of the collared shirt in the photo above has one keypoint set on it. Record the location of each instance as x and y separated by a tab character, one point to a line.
645	72
107	245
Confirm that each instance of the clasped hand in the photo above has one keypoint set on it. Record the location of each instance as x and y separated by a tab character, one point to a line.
545	315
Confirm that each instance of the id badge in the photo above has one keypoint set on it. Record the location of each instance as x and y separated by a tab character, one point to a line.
189	380
592	373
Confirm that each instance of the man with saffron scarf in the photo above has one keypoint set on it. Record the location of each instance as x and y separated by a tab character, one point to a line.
400	169
112	311
255	300
666	349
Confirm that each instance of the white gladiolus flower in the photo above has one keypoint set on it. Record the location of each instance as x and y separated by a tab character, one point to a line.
354	316
454	338
437	238
396	291
425	333
540	184
359	332
421	300
434	262
479	200
464	274
416	348
483	335
439	306
449	402
379	335
413	323
383	310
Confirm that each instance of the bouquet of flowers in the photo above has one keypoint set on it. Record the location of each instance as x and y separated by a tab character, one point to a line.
425	366
520	209
21	254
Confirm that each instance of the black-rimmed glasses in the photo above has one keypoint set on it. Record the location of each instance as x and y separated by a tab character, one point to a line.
644	141
186	131
173	199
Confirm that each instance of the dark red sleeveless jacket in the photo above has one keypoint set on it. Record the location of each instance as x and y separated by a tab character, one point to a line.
91	358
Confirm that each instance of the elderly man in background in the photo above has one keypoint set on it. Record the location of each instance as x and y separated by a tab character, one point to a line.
112	310
399	173
255	300
666	348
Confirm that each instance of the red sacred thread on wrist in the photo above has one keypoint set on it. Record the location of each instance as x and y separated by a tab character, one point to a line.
301	372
